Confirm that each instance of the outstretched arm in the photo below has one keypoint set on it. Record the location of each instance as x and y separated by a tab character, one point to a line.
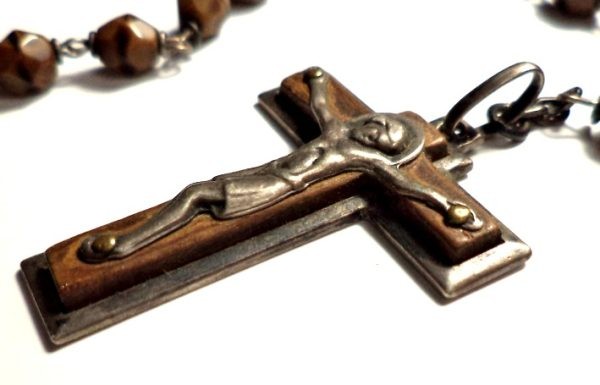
455	213
317	81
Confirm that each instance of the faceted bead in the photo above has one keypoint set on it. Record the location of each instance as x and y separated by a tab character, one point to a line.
27	63
127	45
578	8
207	15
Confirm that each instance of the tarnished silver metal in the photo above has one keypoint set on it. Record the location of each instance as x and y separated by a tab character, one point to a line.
72	48
512	121
573	96
378	144
177	44
545	112
461	133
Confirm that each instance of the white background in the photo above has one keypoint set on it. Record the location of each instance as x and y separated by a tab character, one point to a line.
341	309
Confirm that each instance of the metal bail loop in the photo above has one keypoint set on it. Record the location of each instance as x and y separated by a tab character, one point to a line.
453	126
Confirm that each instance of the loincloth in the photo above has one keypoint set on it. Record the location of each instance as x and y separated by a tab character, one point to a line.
245	194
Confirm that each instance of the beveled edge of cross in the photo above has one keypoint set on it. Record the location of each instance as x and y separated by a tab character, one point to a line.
378	144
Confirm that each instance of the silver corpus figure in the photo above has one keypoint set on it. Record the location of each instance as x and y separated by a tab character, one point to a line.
377	144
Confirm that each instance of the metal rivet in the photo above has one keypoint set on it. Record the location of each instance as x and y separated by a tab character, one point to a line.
459	214
104	244
314	73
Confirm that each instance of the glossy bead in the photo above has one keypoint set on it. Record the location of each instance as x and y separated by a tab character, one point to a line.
27	63
207	15
127	45
578	8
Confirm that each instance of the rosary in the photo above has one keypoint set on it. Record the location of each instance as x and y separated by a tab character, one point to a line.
398	171
125	45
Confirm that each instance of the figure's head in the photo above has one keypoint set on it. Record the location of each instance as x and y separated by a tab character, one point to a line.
384	132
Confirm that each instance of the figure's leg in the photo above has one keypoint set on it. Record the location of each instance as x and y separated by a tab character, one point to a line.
194	199
456	214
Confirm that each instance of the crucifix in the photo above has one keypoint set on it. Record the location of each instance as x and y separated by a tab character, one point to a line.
392	169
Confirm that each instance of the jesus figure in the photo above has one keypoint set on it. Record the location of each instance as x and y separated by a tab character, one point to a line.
376	144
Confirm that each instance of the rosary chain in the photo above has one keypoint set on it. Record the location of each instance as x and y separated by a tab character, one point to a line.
126	45
180	43
73	48
544	112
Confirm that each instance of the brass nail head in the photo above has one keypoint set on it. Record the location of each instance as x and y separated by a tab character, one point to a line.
104	244
314	73
459	215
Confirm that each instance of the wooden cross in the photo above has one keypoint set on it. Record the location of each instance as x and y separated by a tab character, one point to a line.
76	298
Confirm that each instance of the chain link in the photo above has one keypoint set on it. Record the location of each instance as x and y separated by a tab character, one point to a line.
512	121
180	43
544	112
72	48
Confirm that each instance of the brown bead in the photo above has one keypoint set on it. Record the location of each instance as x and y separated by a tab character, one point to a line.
27	63
578	8
127	45
207	15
